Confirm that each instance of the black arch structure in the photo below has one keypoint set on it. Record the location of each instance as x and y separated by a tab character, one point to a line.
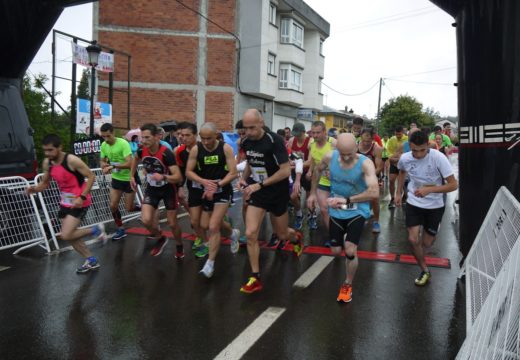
488	35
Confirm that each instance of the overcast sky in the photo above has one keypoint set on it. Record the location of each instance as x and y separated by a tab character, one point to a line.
410	43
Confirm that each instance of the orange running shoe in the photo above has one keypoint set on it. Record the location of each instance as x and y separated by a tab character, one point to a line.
253	285
345	293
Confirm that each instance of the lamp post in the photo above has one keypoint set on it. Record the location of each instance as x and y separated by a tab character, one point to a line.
93	51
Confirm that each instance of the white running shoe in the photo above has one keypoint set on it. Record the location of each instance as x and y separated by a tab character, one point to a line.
207	270
235	245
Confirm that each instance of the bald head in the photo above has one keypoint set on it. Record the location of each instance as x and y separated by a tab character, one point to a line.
209	126
253	124
252	115
346	141
208	135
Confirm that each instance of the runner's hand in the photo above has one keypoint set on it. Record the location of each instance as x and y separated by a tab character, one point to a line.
311	202
398	201
158	177
251	189
242	184
133	184
77	203
30	190
422	191
106	170
296	188
335	202
210	185
208	195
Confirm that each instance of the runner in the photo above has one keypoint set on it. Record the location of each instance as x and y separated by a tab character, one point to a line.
70	172
431	175
384	156
116	159
162	174
212	167
353	185
393	155
266	190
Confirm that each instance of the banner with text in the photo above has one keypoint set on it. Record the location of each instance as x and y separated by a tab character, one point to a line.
80	56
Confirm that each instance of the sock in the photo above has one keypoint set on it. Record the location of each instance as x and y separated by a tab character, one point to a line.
117	218
179	248
95	230
256	275
299	212
210	263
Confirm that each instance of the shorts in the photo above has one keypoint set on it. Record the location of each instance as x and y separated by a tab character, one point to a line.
167	193
223	197
341	230
324	187
428	218
123	186
394	169
195	197
78	213
384	159
276	206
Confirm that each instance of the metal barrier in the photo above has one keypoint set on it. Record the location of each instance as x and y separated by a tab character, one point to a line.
98	212
20	222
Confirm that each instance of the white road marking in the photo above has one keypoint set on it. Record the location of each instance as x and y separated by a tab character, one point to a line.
312	273
247	338
3	268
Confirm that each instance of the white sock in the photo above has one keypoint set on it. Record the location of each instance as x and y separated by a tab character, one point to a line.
210	263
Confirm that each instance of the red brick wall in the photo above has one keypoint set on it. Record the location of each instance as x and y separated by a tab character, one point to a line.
219	109
221	62
222	12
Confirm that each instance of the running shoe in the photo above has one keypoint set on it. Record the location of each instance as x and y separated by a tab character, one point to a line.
313	223
235	245
159	246
273	242
423	278
202	251
197	243
376	228
252	285
298	245
298	222
243	240
207	270
345	293
327	243
99	231
179	255
90	263
120	233
391	204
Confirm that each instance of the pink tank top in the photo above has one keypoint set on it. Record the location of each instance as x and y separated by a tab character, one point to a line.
71	183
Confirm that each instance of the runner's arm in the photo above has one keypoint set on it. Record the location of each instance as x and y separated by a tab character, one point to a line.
378	156
400	185
324	164
75	163
231	165
44	183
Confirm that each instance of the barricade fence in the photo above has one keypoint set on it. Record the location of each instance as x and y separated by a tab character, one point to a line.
20	222
498	234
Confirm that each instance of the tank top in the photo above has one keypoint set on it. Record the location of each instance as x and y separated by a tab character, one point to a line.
70	182
384	154
317	154
301	151
212	165
369	154
346	183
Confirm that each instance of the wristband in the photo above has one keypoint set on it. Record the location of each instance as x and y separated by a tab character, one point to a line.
348	200
83	197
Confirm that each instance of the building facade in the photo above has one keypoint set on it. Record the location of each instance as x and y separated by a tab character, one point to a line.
209	60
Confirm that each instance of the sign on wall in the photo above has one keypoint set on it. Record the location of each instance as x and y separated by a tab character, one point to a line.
102	114
80	56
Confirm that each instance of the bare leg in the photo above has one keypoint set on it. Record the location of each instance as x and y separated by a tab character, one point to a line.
70	232
254	217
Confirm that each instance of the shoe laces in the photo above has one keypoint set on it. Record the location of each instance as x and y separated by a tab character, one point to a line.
251	281
345	288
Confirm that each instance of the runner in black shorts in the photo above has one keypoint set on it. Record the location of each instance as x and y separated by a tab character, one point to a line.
265	187
162	174
212	165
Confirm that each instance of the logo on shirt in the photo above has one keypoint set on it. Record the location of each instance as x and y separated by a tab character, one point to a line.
211	160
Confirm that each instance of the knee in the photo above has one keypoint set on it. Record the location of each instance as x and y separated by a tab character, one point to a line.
335	250
350	253
147	221
251	236
172	223
214	228
414	241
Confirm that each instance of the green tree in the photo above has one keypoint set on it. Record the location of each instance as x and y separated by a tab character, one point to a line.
83	90
39	113
403	110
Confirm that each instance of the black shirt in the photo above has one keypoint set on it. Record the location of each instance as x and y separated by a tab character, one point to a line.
212	165
158	162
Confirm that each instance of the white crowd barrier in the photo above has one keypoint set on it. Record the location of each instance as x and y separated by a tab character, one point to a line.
20	223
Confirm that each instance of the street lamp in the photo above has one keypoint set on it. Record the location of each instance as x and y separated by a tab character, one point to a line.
93	51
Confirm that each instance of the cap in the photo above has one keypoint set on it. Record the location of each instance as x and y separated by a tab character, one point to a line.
333	132
297	129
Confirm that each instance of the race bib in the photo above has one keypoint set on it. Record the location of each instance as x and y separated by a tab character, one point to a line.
259	174
196	185
67	198
114	165
153	182
349	207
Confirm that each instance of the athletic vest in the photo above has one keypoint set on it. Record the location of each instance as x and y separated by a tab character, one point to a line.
212	165
370	153
317	154
302	151
70	182
346	183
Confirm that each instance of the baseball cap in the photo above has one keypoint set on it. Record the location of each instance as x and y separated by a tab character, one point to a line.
333	132
297	129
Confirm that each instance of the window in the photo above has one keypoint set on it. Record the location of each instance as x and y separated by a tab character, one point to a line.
271	58
321	46
320	79
291	32
290	77
272	13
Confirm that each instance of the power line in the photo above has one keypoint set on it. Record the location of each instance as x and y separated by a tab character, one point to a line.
422	72
408	12
421	82
376	23
361	93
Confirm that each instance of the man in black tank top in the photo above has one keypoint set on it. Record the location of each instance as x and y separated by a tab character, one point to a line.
212	166
265	184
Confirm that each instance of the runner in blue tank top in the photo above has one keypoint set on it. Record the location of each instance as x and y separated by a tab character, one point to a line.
353	184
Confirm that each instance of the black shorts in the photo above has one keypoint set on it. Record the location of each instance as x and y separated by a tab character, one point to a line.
393	169
78	213
167	193
223	197
341	230
384	159
123	186
429	219
194	197
275	205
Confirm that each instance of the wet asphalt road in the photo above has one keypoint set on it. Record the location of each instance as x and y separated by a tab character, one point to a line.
142	307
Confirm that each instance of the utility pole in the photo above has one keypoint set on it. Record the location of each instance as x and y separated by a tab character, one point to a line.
379	104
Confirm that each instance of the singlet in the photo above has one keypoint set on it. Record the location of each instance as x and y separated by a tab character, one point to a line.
384	153
346	183
264	157
317	154
159	162
370	153
181	158
212	165
301	151
70	182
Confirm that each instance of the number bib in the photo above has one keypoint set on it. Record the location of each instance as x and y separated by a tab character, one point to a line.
67	198
114	165
349	207
153	182
259	174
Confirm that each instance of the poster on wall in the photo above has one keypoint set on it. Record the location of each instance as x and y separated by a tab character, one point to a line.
102	114
80	56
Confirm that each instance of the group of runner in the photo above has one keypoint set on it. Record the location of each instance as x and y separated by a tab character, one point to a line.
341	178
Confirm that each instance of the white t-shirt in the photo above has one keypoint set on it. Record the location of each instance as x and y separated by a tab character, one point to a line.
428	171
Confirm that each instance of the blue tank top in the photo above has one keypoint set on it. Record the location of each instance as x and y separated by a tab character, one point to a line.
346	183
406	147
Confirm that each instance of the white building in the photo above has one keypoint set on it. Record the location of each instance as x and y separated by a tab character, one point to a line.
281	60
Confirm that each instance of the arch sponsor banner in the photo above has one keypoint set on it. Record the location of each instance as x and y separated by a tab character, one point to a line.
80	56
102	114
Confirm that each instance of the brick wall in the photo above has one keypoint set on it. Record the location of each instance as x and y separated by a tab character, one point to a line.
219	109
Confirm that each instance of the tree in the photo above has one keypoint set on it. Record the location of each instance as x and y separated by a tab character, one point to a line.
83	89
403	110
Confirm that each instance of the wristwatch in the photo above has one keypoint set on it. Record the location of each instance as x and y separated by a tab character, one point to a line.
348	200
261	185
83	197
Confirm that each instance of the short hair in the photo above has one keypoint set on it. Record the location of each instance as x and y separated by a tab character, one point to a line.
160	130
209	125
220	137
239	125
418	138
446	124
287	128
357	121
187	125
398	128
134	137
281	132
369	130
51	139
320	124
154	130
107	127
437	128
